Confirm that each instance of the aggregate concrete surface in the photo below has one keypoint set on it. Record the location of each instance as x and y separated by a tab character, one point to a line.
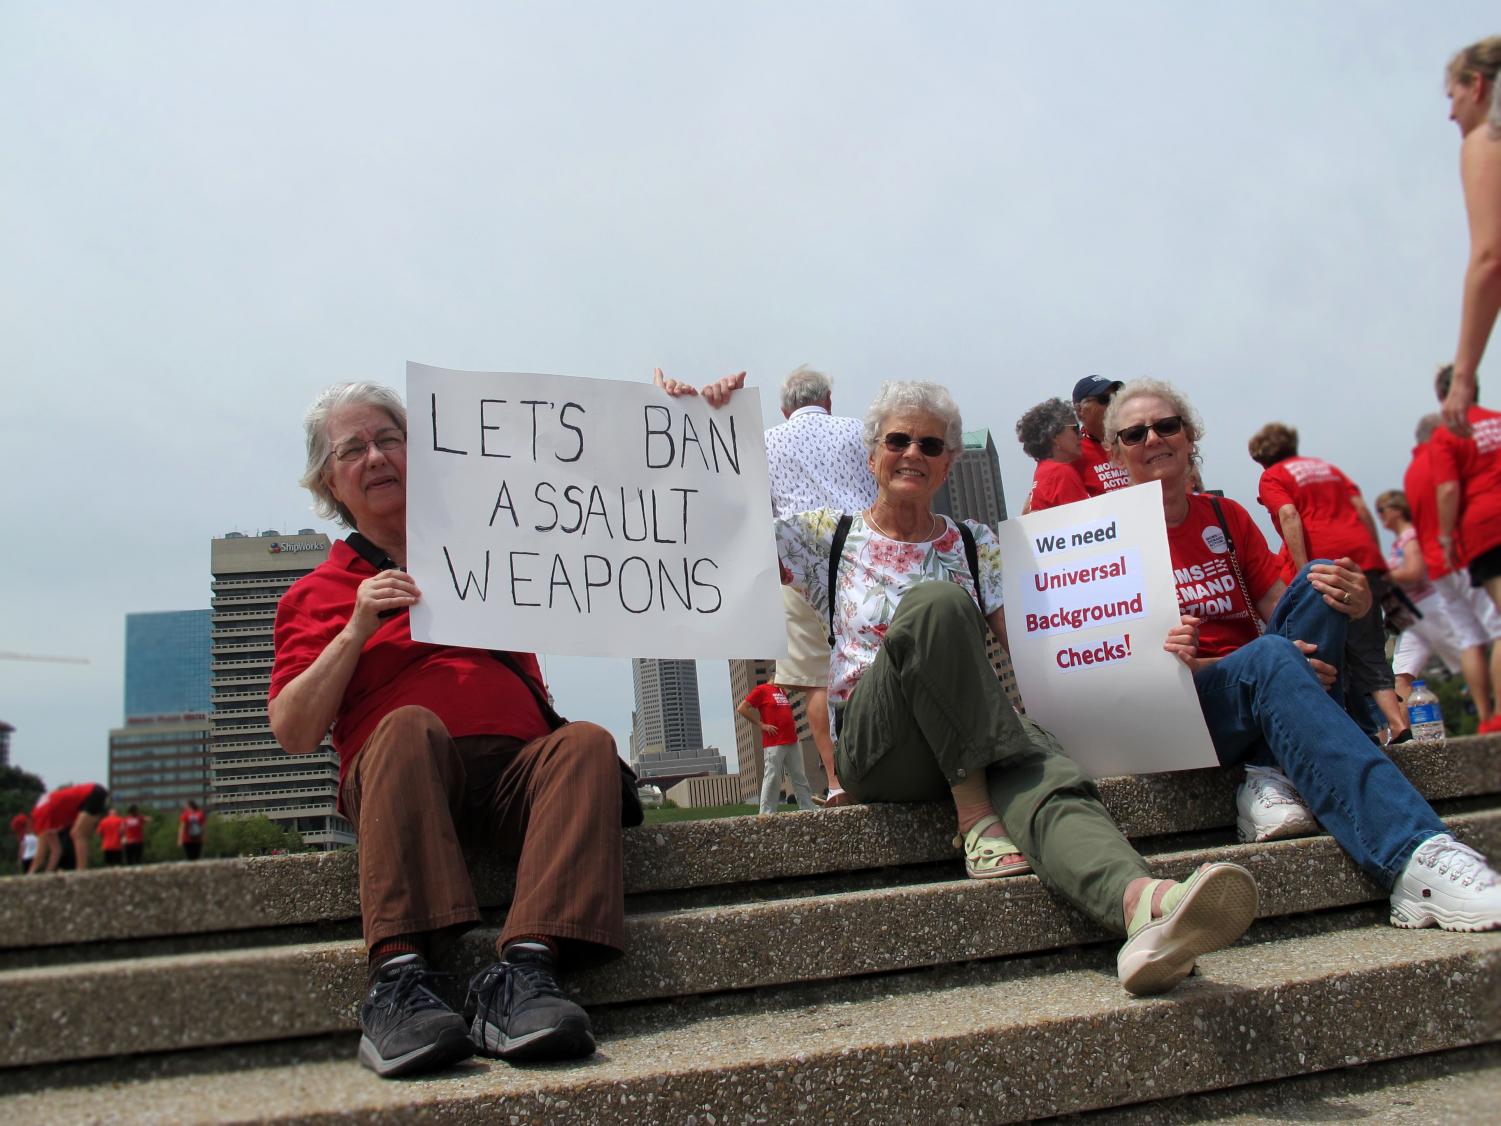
305	989
213	896
1463	1085
1012	1049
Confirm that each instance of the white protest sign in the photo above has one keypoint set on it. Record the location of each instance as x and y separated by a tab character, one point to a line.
1089	601
590	517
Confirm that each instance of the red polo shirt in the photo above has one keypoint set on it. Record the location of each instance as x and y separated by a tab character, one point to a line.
1475	462
1323	497
468	689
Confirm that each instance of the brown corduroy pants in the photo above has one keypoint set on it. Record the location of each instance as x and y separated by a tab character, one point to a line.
415	795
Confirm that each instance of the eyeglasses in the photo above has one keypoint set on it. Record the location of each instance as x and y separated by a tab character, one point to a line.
388	441
896	442
1163	428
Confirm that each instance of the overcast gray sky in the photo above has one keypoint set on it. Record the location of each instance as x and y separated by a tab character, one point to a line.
210	211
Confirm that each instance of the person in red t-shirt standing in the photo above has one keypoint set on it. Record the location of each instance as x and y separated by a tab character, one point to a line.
1259	649
110	829
1467	473
134	828
1322	516
439	744
768	708
1473	618
72	811
190	827
1092	395
1050	433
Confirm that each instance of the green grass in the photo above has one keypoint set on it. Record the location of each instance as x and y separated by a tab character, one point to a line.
666	814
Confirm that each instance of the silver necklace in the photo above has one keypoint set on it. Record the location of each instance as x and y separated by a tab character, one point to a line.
870	519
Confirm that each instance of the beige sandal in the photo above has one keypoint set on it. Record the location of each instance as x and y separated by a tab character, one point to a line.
1206	912
983	855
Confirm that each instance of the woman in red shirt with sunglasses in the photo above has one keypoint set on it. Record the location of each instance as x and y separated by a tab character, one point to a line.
1261	651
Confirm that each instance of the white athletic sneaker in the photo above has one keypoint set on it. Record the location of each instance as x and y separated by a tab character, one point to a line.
1268	808
1447	884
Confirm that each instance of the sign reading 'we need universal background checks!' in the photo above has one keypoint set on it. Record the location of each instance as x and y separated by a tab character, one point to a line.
1090	599
588	517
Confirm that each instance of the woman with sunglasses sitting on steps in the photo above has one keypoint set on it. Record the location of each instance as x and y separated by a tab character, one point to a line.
921	715
1261	651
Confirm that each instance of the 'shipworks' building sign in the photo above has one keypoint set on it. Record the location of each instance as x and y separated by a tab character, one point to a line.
251	774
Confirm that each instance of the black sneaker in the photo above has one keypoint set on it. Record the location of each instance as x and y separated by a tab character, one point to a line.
407	1027
515	1011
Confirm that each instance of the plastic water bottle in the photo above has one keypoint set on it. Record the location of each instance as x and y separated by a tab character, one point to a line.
1425	715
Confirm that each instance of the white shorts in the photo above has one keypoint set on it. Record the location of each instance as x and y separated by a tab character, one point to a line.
1432	634
1474	619
807	662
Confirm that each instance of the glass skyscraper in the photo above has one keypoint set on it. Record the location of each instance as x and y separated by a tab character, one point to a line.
167	663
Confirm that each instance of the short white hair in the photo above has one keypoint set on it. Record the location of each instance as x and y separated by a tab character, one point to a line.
930	398
1193	425
319	449
804	388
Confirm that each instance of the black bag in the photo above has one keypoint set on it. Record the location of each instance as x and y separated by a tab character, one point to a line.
1397	610
631	813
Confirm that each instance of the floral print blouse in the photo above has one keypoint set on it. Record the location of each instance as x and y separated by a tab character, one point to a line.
874	576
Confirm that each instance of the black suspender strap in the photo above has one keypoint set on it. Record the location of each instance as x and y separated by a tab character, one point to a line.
371	554
836	555
1245	591
972	557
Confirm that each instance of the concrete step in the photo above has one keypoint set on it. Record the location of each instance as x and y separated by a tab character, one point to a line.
312	988
235	895
992	1042
1460	1085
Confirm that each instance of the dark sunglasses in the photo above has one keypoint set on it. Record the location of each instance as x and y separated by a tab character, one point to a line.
896	442
1163	428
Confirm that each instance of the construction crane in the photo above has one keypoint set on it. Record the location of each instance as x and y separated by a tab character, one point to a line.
45	658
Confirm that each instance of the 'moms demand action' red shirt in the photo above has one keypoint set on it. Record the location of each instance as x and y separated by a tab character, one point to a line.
1323	498
468	689
775	708
1098	473
1207	587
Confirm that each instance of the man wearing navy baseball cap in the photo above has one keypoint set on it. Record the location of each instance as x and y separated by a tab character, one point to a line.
1092	395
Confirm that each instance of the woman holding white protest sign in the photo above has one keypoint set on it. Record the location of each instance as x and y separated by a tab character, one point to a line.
922	716
1256	646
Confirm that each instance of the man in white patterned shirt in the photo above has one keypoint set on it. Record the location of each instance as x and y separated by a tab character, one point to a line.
815	460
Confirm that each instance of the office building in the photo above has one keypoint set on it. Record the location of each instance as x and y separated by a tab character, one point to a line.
666	767
666	716
166	663
973	490
749	756
5	730
159	758
160	762
250	773
709	789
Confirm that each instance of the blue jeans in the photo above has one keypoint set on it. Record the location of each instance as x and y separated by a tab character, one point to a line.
1264	704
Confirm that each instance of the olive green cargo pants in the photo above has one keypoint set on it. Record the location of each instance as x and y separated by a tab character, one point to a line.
930	711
